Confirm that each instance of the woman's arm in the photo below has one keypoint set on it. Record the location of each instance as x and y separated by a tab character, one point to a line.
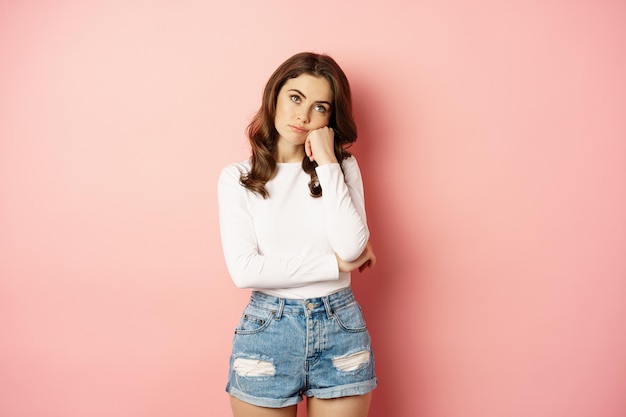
344	205
247	267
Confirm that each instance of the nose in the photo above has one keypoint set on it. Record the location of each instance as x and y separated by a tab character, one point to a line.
303	117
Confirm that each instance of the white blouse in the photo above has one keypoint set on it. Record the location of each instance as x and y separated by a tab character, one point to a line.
285	245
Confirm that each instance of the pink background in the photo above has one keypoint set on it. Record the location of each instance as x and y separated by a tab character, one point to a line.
493	146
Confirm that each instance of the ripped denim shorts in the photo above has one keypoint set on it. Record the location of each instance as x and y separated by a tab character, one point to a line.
284	349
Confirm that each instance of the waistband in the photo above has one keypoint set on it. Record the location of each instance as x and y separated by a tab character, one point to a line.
309	306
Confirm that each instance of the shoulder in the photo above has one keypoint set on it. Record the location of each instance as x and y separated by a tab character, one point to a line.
350	163
231	173
350	168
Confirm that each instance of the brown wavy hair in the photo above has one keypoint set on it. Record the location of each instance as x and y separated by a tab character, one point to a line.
262	132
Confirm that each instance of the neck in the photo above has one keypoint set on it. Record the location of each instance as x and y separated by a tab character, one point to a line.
291	154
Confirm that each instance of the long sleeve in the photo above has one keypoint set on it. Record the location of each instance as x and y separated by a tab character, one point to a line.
247	264
344	206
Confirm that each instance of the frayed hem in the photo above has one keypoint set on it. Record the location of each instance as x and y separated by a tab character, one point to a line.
262	401
359	388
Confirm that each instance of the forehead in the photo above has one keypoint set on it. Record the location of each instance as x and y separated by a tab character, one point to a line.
314	88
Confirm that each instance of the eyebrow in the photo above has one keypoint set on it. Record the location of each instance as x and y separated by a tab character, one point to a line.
302	94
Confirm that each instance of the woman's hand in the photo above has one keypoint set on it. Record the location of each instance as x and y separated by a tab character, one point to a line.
367	259
320	146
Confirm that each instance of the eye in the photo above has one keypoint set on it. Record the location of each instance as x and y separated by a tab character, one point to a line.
320	108
295	98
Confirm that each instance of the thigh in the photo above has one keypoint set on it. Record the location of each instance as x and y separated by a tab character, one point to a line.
345	365
267	356
352	406
243	409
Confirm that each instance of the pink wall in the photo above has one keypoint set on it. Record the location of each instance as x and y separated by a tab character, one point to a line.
493	146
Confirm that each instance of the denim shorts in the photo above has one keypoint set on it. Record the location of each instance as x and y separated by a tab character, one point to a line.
285	348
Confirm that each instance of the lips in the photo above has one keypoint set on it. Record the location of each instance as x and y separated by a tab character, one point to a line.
297	129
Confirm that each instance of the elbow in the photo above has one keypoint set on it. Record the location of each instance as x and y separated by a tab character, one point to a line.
242	272
350	253
241	284
238	280
241	279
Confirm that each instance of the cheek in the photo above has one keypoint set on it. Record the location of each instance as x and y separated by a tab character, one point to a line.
282	111
320	119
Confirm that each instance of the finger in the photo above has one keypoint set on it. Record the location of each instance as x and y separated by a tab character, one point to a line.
372	255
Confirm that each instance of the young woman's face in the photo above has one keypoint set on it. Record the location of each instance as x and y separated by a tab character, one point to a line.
303	105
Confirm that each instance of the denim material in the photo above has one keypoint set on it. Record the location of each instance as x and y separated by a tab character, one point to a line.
286	348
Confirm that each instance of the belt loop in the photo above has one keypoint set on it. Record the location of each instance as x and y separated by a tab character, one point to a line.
281	307
329	309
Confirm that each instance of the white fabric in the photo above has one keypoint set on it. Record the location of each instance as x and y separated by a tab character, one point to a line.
285	245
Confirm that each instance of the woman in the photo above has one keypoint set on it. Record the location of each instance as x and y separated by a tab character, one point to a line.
293	228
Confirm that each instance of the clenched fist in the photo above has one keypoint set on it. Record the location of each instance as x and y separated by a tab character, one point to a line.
320	146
